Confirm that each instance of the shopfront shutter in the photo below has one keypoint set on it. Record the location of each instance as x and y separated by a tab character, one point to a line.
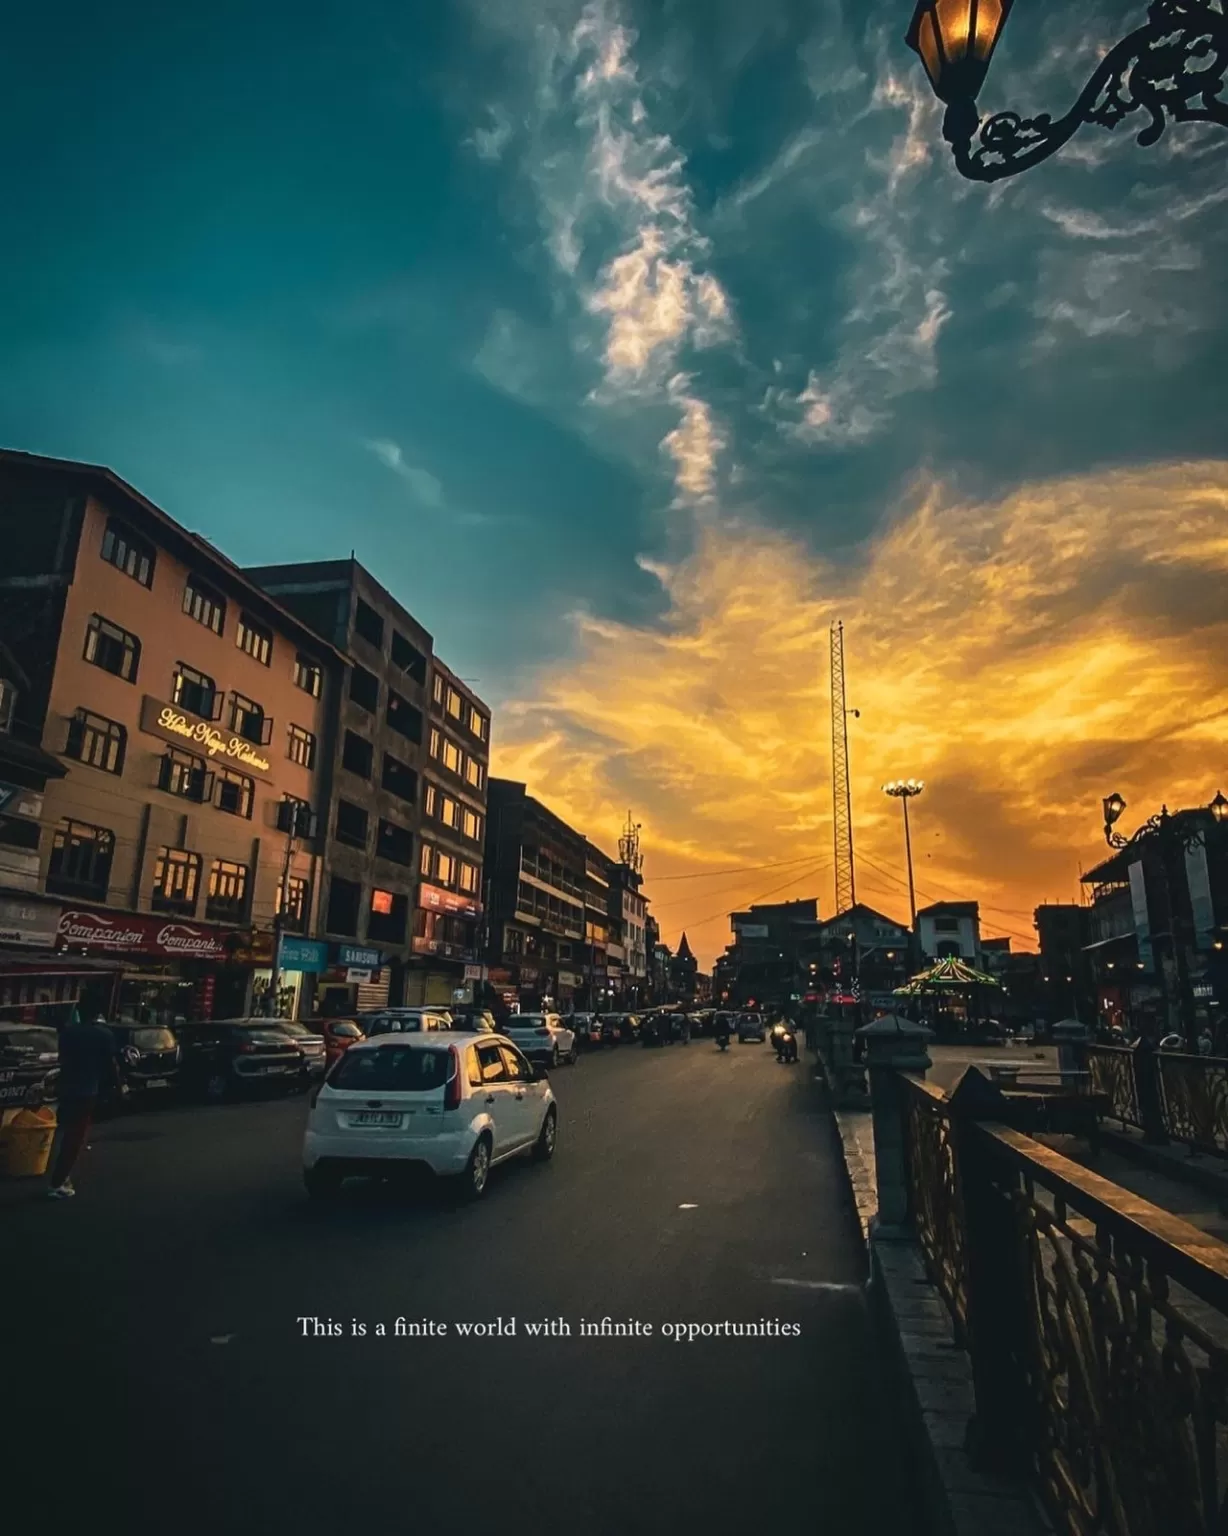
373	994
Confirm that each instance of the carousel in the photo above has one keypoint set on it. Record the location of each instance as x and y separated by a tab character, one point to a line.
956	993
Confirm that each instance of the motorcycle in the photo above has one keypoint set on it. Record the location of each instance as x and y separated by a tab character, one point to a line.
722	1042
786	1045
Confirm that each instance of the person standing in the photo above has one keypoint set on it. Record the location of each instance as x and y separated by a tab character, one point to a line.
89	1061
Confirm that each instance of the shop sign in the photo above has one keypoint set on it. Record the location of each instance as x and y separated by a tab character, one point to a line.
475	973
28	922
435	899
138	933
357	957
185	730
308	955
568	979
361	974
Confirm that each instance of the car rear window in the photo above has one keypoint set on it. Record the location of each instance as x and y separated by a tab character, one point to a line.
153	1039
262	1036
411	1024
22	1043
391	1069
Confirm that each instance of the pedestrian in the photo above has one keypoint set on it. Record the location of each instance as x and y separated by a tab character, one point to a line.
1205	1043
88	1062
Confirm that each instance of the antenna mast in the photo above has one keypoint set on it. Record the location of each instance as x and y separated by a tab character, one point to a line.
842	802
629	846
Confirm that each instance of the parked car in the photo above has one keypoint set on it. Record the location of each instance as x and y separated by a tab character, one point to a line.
228	1057
406	1021
29	1064
149	1056
455	1103
474	1021
310	1044
338	1035
582	1025
750	1027
542	1037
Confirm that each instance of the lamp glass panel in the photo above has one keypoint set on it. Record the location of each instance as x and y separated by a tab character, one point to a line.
988	25
955	26
929	48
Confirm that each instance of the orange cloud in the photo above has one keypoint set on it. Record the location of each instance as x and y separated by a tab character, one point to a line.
1024	657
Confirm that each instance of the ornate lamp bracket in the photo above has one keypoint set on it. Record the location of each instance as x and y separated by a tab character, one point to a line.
1172	68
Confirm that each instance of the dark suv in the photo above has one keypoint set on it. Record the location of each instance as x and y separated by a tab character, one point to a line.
227	1057
29	1064
148	1060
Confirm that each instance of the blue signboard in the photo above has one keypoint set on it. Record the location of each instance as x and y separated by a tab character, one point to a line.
358	958
303	954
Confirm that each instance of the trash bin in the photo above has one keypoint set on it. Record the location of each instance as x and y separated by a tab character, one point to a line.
25	1143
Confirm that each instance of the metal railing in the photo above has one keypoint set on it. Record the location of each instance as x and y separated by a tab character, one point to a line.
1168	1095
1111	1069
1096	1325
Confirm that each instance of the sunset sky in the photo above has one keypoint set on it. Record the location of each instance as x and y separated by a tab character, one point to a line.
632	344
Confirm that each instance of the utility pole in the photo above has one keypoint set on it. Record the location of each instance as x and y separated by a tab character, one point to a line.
279	923
842	802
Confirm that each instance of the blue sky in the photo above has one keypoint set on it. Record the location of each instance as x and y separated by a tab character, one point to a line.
544	307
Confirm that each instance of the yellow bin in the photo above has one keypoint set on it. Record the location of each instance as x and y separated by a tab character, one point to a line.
25	1143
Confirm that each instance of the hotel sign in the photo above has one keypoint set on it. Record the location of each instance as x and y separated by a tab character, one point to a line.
203	737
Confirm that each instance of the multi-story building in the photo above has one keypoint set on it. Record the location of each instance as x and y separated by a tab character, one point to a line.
950	930
193	714
404	826
683	970
600	929
773	943
865	945
537	872
627	954
1067	986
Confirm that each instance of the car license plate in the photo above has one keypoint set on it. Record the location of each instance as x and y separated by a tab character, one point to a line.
155	1082
375	1117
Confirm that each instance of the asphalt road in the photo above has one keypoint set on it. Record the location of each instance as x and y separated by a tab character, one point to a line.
158	1371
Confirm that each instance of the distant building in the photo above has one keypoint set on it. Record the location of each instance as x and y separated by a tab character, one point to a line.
1067	988
770	954
683	971
865	944
950	929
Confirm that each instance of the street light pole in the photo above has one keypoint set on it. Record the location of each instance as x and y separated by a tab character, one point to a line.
906	790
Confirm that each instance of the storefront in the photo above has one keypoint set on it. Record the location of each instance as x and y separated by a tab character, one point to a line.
355	981
443	936
168	971
301	961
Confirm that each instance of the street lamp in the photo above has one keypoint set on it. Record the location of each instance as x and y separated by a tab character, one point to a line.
905	790
1172	67
1219	808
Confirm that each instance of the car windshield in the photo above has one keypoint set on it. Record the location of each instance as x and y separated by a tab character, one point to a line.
526	1021
23	1042
153	1039
391	1069
394	1026
267	1036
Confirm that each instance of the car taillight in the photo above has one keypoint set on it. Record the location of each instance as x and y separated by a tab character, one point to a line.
452	1091
246	1048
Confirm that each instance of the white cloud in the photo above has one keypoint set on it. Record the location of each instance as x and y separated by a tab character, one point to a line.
426	488
695	444
490	142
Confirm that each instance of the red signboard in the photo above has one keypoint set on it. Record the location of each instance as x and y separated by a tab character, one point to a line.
140	933
435	899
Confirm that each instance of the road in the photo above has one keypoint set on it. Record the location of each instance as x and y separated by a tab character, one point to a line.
160	1369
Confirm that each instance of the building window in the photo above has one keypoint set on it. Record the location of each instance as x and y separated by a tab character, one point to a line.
449	811
427	861
96	741
388	917
473	772
205	605
128	553
477	723
351	825
436	743
344	897
176	881
112	648
196	692
456	706
248	719
430	800
468	877
399	779
472	825
357	755
437	689
946	925
296	818
308	675
293	903
394	843
403	717
445	869
80	862
179	773
17	832
408	657
226	901
364	689
368	624
451	757
301	747
235	793
254	638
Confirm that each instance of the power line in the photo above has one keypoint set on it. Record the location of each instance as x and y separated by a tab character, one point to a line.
930	896
724	912
744	869
729	891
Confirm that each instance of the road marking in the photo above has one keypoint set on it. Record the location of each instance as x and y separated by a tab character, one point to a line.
815	1285
221	1338
688	1207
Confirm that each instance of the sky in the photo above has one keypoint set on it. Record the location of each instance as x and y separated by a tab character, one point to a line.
631	346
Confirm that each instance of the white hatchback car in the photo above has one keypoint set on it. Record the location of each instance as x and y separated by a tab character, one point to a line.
456	1104
542	1037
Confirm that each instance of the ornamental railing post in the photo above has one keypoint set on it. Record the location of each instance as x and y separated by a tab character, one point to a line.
893	1046
1000	1432
1146	1066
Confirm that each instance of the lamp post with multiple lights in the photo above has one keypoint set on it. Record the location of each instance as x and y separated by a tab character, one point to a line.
905	790
1172	67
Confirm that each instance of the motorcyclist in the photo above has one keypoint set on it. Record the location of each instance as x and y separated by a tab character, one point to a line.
720	1029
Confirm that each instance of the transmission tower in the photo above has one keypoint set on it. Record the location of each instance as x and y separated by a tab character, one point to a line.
842	803
629	846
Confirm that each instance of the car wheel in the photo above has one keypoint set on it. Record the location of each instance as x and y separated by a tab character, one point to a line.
555	1058
321	1182
217	1086
477	1171
543	1147
573	1056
